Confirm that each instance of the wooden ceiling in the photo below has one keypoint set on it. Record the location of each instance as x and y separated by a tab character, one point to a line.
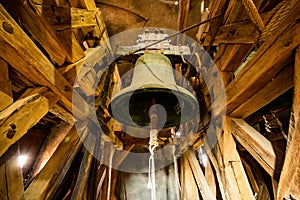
45	43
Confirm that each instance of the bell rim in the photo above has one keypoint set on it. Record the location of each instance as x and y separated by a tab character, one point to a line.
181	92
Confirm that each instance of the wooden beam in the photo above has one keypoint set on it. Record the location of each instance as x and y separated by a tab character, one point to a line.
289	182
251	177
183	14
48	180
256	144
211	179
43	91
89	5
268	61
29	60
219	170
189	188
235	33
237	184
39	28
5	86
202	184
82	179
281	83
61	18
62	113
15	120
55	137
11	176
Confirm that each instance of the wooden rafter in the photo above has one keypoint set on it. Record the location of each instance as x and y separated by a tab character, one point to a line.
256	144
289	182
15	120
5	86
265	64
48	180
281	83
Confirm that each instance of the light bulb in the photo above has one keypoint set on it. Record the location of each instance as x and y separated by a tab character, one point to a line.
22	160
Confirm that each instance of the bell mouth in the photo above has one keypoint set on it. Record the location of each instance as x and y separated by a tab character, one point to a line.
131	107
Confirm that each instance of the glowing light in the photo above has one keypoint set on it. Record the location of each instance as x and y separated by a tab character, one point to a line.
22	160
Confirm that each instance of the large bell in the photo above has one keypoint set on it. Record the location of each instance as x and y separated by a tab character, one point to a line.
153	79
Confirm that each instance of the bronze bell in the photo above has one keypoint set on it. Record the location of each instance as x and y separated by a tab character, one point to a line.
153	79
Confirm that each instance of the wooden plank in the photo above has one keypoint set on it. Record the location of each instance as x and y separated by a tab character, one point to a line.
237	185
11	177
73	48
211	179
268	61
15	120
60	3
240	32
5	86
48	180
183	14
3	186
251	176
29	60
82	179
43	91
39	28
55	137
89	5
189	188
202	184
62	113
219	171
289	182
281	83
14	177
256	144
61	18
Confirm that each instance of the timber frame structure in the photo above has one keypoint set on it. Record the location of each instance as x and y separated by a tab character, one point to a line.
254	44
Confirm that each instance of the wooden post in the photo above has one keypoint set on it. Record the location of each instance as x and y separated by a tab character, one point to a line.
289	182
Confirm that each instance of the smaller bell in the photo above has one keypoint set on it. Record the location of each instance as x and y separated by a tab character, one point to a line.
153	78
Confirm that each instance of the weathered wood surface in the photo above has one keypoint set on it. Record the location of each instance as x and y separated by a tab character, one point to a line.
18	118
237	183
282	82
11	177
189	188
49	179
261	69
289	182
202	184
267	61
61	18
5	86
256	144
32	63
39	28
55	137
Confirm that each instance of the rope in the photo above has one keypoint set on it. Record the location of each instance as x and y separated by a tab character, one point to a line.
254	14
177	183
275	18
151	174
